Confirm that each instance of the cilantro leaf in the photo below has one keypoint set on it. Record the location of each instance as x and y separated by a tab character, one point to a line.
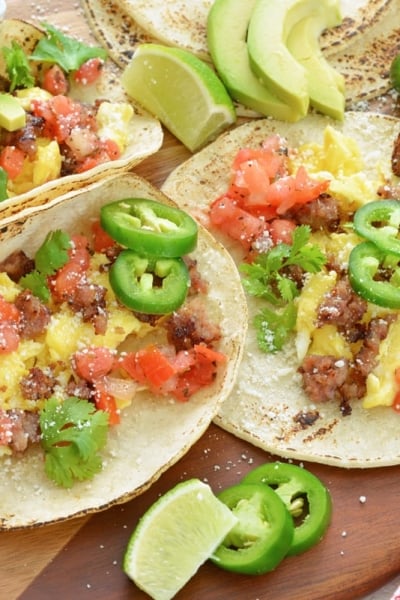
269	278
73	433
274	327
37	283
53	253
50	256
17	66
63	50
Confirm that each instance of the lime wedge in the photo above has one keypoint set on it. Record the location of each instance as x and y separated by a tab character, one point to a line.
182	91
178	533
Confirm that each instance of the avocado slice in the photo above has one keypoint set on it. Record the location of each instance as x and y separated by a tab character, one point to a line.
227	25
12	115
269	28
325	85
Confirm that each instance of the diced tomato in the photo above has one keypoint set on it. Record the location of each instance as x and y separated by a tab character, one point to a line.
8	311
281	230
55	81
101	239
89	71
235	222
129	362
6	428
396	403
111	148
60	113
157	368
105	401
64	283
9	319
92	363
12	161
202	373
298	189
9	337
208	355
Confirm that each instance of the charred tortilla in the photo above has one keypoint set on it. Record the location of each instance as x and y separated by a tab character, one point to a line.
154	432
268	406
144	132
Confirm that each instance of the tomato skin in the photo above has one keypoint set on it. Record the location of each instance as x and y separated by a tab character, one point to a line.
262	188
89	71
101	239
55	81
202	373
93	363
181	375
9	320
64	283
281	231
235	222
9	337
104	401
12	161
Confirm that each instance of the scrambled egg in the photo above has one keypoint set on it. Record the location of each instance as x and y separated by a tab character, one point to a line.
340	160
65	334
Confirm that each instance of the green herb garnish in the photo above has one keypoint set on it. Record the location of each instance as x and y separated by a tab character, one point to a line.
51	256
3	184
63	50
268	277
17	66
73	433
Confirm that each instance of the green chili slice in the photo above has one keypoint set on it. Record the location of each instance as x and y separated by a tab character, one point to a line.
263	534
149	227
305	497
149	285
379	222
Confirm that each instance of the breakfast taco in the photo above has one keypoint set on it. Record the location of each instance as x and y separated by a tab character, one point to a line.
305	210
360	48
64	117
118	345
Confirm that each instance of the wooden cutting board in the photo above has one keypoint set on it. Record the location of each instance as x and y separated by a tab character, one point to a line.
82	558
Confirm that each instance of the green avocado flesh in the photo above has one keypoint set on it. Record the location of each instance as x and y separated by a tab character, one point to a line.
270	26
12	115
227	26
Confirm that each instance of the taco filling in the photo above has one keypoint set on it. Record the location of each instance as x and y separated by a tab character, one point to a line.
73	354
46	133
300	216
309	213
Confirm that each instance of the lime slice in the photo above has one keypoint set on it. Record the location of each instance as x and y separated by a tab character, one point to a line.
178	533
182	91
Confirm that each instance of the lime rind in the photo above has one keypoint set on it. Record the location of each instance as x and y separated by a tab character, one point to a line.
182	91
179	532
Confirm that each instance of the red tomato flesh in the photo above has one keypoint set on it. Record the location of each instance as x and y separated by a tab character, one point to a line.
12	161
93	363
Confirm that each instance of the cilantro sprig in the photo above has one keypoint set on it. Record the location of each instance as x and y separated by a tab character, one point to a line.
3	184
63	50
72	434
50	256
268	277
17	66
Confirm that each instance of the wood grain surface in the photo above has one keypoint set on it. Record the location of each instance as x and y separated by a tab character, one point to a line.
82	558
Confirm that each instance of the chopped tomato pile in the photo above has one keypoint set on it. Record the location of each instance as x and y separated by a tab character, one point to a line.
262	189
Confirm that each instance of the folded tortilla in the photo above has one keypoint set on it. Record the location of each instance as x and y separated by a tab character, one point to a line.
154	432
361	48
145	135
268	395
